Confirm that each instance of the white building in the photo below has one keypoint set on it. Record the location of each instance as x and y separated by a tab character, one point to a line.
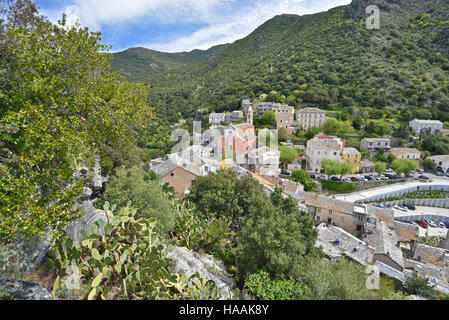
432	126
266	161
441	162
311	118
217	118
375	145
319	149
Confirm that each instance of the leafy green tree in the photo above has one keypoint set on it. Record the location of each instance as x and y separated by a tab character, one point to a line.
337	127
380	167
288	154
404	166
357	122
420	286
391	157
223	194
312	132
268	116
332	167
147	195
59	102
274	241
282	134
303	177
428	165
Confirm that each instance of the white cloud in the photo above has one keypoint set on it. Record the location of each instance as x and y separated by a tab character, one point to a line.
240	24
225	20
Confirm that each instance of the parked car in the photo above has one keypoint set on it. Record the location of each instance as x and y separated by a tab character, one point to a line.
322	177
346	179
383	177
389	170
313	176
400	208
362	179
335	179
422	224
441	224
369	178
354	179
285	172
446	224
410	207
420	171
432	223
424	178
447	174
439	174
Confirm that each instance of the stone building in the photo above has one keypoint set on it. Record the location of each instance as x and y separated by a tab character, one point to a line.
310	118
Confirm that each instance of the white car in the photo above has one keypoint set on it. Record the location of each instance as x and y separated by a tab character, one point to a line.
400	208
362	179
441	224
432	223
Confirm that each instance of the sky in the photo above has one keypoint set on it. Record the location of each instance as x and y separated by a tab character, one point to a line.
176	25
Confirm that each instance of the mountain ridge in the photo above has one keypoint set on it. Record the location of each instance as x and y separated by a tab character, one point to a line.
328	60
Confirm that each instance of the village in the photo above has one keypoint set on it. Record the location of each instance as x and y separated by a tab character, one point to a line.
374	223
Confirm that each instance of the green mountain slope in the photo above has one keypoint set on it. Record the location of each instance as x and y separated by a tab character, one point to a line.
329	60
138	63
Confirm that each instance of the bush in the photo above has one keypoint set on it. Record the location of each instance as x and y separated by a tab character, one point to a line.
147	195
420	286
338	186
127	262
263	288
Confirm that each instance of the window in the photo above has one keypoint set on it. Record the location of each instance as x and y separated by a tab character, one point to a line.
172	174
330	211
342	219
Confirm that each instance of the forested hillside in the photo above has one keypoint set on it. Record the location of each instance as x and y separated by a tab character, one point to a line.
329	60
138	63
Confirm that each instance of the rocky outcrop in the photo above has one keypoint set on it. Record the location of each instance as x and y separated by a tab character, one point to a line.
22	255
21	290
91	216
188	263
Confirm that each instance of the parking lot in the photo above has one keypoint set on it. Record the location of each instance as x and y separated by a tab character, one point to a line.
425	211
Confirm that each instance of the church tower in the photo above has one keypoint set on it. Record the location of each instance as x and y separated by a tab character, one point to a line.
250	115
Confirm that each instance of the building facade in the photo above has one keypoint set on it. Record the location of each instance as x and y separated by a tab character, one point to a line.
311	118
441	162
432	126
353	157
319	149
406	153
375	145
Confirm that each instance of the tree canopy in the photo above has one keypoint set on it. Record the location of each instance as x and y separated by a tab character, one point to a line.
59	102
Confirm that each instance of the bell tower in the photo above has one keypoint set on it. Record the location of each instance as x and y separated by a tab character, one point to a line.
250	116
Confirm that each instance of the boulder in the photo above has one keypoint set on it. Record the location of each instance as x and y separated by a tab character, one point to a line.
188	262
21	290
92	215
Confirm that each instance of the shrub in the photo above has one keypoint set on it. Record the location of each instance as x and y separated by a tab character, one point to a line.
420	286
147	195
263	288
127	262
338	186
